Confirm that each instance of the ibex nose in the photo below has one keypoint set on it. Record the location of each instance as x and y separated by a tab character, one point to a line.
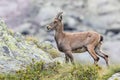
48	27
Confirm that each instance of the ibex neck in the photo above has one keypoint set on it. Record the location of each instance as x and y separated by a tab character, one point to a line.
59	29
59	37
59	33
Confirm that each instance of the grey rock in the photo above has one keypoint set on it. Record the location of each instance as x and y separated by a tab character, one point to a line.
115	76
16	52
6	50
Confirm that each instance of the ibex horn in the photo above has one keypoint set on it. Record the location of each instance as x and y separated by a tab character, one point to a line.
59	14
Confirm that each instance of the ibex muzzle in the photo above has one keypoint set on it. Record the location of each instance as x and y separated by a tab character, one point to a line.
49	27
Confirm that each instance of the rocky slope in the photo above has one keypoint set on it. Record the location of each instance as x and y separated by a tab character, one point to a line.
17	51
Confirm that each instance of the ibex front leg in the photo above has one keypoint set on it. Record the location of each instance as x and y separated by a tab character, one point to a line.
91	50
69	55
66	58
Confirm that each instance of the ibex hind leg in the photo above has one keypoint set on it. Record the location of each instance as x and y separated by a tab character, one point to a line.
102	54
92	52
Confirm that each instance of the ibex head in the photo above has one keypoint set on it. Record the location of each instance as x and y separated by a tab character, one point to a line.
57	21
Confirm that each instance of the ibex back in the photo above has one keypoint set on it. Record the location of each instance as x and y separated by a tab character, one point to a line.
77	42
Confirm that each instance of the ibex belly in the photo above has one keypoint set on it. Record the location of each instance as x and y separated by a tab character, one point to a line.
79	50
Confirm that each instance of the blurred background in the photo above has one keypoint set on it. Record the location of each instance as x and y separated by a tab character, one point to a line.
30	17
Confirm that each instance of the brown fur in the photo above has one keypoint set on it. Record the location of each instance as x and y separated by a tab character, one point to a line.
77	42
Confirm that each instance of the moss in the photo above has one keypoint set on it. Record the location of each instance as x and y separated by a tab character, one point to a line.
44	46
10	42
11	32
53	52
47	47
5	58
11	45
33	39
4	26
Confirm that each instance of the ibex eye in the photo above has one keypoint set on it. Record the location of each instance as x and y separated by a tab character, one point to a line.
55	22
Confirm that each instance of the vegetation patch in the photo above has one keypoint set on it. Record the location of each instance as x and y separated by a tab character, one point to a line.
37	71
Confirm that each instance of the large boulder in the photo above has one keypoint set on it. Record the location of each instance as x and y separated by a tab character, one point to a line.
16	51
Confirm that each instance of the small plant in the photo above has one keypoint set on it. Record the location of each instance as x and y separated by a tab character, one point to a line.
33	39
80	72
53	52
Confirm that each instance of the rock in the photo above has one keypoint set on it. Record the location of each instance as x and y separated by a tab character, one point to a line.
16	52
103	14
6	50
68	28
48	47
25	33
43	14
115	76
114	30
113	52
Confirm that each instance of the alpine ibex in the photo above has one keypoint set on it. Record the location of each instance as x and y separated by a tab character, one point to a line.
77	42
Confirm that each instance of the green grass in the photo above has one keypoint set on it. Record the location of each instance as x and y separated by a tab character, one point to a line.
57	71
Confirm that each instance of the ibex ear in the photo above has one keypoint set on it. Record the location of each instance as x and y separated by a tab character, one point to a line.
59	16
